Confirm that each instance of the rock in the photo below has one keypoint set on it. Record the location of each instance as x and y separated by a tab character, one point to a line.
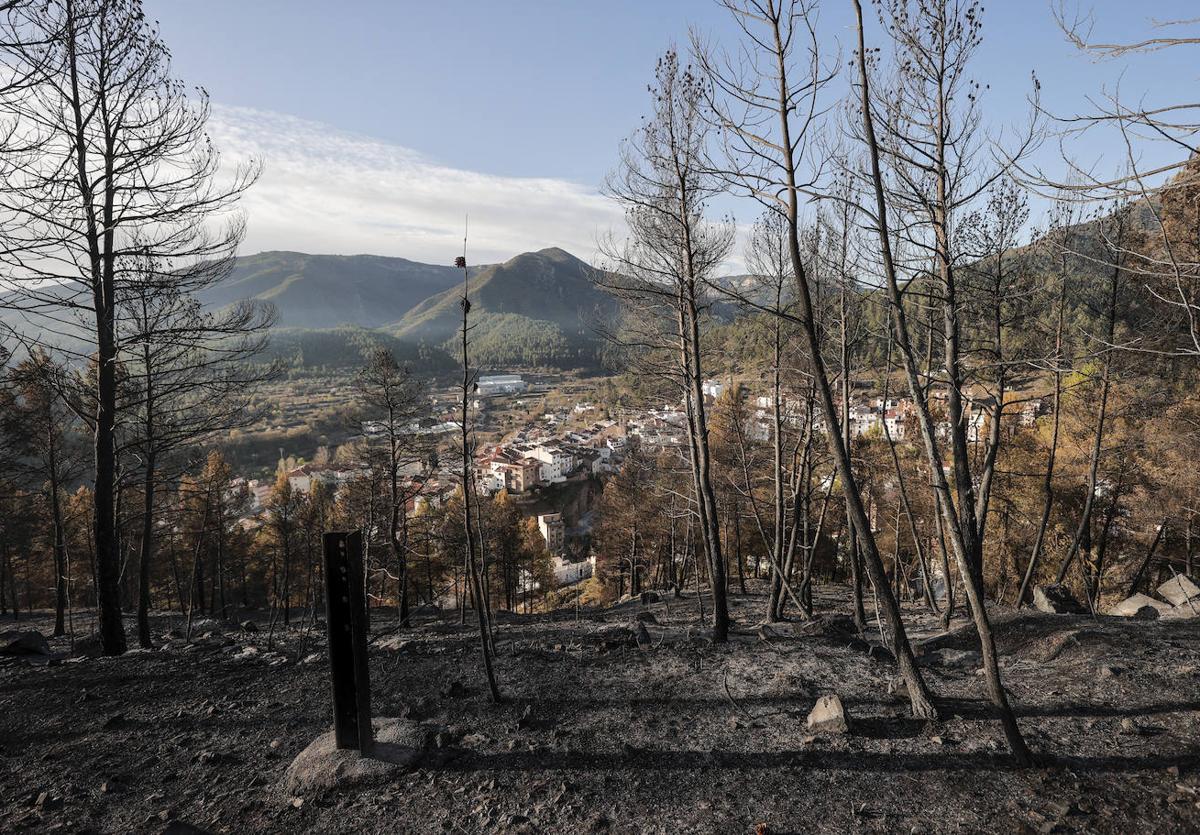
311	658
396	644
961	657
47	802
1057	600
400	744
1179	590
249	626
647	617
1129	607
879	653
649	597
828	716
774	631
23	642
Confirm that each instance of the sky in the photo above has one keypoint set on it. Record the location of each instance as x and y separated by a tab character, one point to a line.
382	124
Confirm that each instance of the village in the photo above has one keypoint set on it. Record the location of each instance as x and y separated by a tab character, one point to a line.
553	463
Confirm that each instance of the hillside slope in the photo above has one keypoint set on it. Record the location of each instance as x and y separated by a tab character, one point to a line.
536	305
324	291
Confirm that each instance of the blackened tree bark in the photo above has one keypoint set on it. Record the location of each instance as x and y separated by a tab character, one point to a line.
114	161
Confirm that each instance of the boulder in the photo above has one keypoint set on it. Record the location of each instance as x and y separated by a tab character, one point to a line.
249	626
1057	600
400	744
23	642
649	597
1131	606
647	617
1179	590
828	716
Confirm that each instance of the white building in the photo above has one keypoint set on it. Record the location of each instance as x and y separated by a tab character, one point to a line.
500	384
570	573
557	463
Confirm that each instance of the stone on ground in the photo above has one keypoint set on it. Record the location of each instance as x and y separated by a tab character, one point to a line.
828	716
1057	600
23	642
400	745
1130	606
1179	590
773	631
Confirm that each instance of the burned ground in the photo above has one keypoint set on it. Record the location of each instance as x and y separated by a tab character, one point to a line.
598	734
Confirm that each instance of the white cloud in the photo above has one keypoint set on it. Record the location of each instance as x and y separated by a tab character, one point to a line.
327	191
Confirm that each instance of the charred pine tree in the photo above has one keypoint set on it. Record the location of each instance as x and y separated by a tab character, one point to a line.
767	120
663	268
112	160
392	400
482	604
928	123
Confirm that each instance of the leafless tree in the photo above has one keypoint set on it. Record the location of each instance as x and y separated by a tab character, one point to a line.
187	375
767	110
671	252
45	436
929	140
1167	264
113	161
392	402
482	604
1115	234
791	453
1062	221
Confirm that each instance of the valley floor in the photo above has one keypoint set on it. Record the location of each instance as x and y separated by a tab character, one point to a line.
599	735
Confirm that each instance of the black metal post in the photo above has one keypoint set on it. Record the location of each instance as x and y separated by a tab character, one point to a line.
346	615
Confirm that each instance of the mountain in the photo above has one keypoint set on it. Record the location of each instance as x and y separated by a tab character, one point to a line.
325	291
538	308
548	285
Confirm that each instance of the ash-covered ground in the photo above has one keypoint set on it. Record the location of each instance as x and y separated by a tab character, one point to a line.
599	734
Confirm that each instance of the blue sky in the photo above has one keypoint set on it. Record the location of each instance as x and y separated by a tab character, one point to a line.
380	123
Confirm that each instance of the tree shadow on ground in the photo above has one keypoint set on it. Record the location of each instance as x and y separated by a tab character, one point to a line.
813	758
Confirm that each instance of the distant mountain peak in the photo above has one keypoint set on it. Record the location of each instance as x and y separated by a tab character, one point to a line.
555	253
